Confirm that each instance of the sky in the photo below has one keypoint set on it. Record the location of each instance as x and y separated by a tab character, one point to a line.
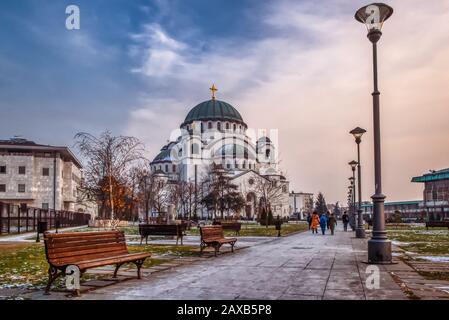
301	67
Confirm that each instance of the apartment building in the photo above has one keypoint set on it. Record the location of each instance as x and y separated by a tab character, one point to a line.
41	176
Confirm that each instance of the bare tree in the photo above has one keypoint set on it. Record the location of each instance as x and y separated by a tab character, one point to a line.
270	191
108	160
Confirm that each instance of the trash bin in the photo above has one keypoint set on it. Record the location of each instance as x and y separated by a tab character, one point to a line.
42	226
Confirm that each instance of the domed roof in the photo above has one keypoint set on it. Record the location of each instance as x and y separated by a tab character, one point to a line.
213	110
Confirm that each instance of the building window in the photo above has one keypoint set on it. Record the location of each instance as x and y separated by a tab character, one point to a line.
235	127
22	170
227	125
166	168
209	125
174	168
195	148
2	187
228	165
219	126
45	206
244	165
45	172
3	169
202	127
21	188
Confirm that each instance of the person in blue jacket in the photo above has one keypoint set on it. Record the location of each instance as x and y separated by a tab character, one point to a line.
323	223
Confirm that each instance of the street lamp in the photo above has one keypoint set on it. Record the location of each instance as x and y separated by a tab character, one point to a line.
145	181
379	247
359	231
353	165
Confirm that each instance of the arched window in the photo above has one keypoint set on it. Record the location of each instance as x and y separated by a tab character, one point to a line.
166	168
174	168
240	128
209	125
235	127
219	126
180	153
227	125
244	165
267	153
195	148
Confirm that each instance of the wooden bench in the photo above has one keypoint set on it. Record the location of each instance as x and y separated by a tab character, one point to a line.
212	236
437	224
88	250
146	230
233	226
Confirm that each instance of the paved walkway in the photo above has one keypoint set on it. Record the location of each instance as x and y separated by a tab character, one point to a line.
301	266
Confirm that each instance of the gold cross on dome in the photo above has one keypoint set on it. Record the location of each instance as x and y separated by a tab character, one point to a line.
213	89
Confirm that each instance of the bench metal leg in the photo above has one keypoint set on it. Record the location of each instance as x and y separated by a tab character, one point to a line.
232	246
139	264
217	249
117	266
53	274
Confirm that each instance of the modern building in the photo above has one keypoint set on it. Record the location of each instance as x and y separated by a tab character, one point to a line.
40	176
409	210
300	204
214	133
435	194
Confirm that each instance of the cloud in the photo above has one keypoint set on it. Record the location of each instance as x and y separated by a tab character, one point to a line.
311	78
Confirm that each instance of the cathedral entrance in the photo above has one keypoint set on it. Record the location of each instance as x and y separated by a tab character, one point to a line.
250	208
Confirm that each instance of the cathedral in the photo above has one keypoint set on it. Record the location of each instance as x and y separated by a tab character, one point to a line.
215	134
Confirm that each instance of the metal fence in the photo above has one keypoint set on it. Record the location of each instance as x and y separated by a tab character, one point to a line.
17	219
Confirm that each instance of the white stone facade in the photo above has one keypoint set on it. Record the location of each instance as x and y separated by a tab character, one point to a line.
40	176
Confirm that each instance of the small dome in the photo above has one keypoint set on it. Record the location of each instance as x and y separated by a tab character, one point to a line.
215	110
163	156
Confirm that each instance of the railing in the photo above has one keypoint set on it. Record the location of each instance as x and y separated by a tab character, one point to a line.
17	219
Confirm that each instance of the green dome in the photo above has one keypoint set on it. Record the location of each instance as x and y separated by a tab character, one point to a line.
215	110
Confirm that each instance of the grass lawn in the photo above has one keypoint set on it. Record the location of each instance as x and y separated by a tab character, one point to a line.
256	230
25	265
419	242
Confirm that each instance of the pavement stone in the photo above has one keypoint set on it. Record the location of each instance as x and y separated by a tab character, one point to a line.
302	266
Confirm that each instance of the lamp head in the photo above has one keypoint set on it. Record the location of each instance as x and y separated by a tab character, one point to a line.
353	164
357	133
373	16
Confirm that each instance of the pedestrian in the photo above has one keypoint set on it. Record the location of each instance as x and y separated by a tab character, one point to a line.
323	223
332	223
309	219
315	222
328	215
345	220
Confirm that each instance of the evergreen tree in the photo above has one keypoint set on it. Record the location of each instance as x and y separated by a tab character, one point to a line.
320	204
337	210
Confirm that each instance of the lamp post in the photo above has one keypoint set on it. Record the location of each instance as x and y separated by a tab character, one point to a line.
379	247
145	178
359	231
353	165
